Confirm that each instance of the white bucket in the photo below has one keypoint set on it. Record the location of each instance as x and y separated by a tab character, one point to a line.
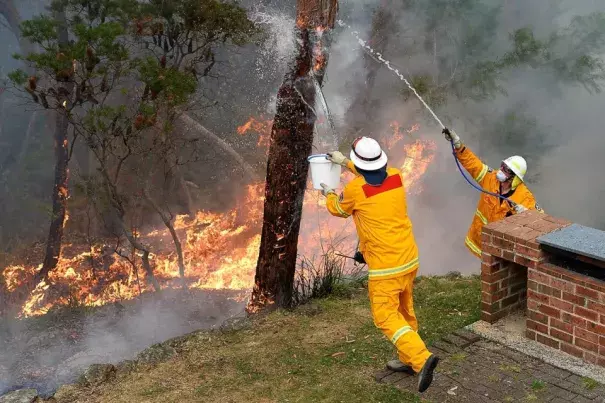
324	171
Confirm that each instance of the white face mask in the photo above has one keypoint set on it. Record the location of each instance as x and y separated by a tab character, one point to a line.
501	176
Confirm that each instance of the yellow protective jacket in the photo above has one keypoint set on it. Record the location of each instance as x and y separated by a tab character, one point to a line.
490	208
383	226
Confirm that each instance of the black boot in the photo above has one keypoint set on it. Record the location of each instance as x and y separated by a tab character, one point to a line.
397	366
425	376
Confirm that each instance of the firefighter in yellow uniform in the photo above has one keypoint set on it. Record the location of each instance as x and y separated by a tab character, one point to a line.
507	182
377	201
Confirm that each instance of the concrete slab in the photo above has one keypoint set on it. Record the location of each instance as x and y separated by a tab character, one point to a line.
577	239
509	332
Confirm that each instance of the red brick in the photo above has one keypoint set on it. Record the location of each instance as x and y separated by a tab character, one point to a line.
489	288
562	222
559	335
498	295
587	292
569	349
508	255
547	340
550	311
586	335
529	236
596	328
562	305
492	250
603	319
562	285
573	320
489	269
544	289
489	259
542	298
490	307
532	304
538	277
527	251
515	288
486	239
532	285
504	244
586	313
523	261
566	327
591	358
508	301
538	327
530	334
595	306
514	233
543	226
574	299
586	345
537	316
492	278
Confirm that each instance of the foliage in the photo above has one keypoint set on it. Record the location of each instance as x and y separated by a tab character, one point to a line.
122	72
464	34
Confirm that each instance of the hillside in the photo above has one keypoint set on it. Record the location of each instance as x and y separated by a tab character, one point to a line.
326	351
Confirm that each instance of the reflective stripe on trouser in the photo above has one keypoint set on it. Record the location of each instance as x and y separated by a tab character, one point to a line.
392	306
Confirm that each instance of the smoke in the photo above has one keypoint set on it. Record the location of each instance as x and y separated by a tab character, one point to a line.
556	125
50	351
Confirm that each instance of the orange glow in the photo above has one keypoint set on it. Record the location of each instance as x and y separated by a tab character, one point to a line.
220	249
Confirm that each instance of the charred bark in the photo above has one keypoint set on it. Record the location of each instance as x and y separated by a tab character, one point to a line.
60	189
287	165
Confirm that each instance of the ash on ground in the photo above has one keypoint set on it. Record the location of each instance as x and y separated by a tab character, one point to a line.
47	351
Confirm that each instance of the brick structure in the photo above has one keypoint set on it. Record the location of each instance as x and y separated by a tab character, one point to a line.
565	309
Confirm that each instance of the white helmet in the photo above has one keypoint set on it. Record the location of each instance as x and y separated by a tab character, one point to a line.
518	165
366	154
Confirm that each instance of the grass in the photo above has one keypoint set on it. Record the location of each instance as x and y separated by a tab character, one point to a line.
289	356
537	385
589	383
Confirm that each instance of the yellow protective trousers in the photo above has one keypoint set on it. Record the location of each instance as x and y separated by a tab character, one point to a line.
392	307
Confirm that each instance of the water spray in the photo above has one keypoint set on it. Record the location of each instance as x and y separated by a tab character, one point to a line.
320	92
378	57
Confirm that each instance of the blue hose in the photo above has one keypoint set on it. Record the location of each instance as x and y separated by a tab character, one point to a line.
472	183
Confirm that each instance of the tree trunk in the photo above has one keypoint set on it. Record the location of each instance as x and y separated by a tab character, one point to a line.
167	220
287	165
60	190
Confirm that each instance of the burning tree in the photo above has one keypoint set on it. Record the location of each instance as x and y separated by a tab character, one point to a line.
118	75
290	145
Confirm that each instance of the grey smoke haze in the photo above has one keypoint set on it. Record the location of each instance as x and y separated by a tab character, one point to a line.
564	147
563	140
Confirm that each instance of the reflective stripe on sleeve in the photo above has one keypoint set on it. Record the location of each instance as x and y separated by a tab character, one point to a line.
481	175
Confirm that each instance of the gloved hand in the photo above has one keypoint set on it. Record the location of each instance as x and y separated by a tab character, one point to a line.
451	135
326	190
338	158
519	208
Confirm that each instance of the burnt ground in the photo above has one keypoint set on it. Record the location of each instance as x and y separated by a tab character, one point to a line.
47	351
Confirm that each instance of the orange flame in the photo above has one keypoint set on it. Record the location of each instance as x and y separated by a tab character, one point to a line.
220	249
